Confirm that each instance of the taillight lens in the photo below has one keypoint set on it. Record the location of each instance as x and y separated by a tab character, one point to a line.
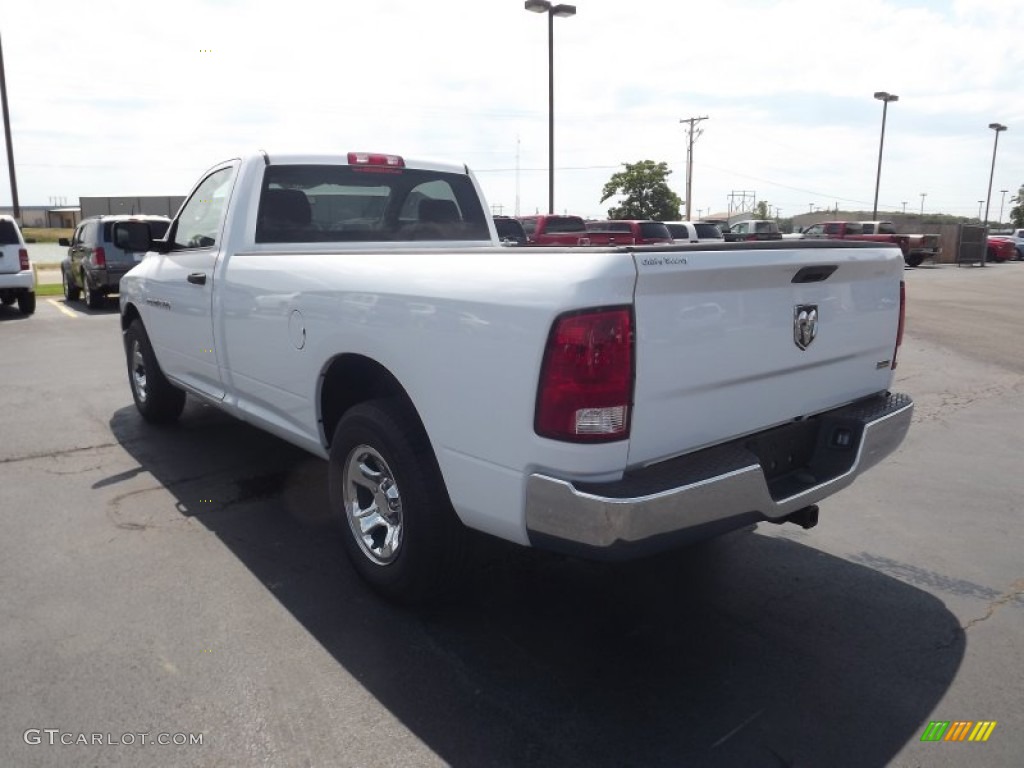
23	258
586	380
99	257
903	319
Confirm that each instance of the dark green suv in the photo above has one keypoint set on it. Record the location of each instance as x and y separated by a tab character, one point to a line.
96	262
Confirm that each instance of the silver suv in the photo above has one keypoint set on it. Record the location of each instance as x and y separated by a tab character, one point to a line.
17	283
97	257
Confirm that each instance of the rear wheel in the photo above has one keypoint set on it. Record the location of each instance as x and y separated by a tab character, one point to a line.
157	399
913	261
8	300
400	532
92	297
70	289
27	302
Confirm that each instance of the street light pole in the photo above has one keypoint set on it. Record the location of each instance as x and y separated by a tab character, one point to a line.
7	137
885	98
979	210
998	128
923	196
543	6
1001	203
904	207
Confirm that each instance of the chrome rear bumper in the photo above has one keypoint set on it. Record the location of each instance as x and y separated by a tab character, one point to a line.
717	489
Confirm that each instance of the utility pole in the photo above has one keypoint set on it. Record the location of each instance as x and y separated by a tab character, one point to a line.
1003	191
904	207
7	137
693	133
923	196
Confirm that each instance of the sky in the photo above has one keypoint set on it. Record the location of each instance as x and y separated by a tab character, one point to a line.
114	98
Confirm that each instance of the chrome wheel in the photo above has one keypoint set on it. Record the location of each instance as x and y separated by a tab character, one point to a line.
139	372
373	505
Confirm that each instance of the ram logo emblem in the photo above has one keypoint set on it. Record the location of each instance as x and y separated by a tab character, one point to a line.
805	324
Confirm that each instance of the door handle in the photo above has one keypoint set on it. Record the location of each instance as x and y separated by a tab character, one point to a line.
197	278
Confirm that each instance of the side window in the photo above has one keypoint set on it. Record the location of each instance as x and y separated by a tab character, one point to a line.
832	229
199	221
814	230
529	226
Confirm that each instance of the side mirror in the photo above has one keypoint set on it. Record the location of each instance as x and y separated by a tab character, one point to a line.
63	241
133	236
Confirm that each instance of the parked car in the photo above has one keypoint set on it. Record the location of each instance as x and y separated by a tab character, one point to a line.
753	229
552	229
1000	249
694	232
628	232
510	230
1018	241
96	262
17	283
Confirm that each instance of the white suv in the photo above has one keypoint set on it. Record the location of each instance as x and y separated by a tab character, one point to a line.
694	232
17	283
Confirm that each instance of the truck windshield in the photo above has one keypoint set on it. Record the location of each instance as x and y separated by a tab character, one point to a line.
338	203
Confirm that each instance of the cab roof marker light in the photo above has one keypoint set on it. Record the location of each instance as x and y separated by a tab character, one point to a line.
371	158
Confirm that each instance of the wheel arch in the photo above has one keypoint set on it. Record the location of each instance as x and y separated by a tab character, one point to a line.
350	379
128	314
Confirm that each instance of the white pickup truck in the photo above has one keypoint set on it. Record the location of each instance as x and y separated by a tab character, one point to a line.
608	402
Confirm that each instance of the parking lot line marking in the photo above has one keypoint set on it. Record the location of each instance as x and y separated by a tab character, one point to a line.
62	308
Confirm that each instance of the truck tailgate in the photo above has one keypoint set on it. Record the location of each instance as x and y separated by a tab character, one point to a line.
717	332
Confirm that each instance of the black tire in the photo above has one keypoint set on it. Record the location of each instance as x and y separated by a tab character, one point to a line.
913	261
413	553
70	289
8	300
27	302
159	401
93	299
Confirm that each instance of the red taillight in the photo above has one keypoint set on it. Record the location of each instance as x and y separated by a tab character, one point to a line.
586	380
371	158
99	257
22	258
903	318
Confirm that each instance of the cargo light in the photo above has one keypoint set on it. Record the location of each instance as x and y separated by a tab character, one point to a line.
371	158
903	320
99	257
586	381
23	259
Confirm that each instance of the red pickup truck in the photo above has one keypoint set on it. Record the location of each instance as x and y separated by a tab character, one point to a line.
915	248
551	229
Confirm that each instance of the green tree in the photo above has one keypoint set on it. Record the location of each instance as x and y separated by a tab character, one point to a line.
1017	212
647	194
762	210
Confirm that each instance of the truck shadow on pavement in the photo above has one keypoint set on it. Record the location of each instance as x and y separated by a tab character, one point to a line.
750	650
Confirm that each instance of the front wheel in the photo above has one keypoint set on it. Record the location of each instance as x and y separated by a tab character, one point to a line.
400	532
27	302
157	399
70	289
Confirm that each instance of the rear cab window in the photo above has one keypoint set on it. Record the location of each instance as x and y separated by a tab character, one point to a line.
653	230
564	224
339	203
708	231
9	233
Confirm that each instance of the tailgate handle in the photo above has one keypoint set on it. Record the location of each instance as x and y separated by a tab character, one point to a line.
197	278
814	274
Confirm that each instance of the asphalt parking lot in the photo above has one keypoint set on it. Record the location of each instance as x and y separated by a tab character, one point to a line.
185	582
